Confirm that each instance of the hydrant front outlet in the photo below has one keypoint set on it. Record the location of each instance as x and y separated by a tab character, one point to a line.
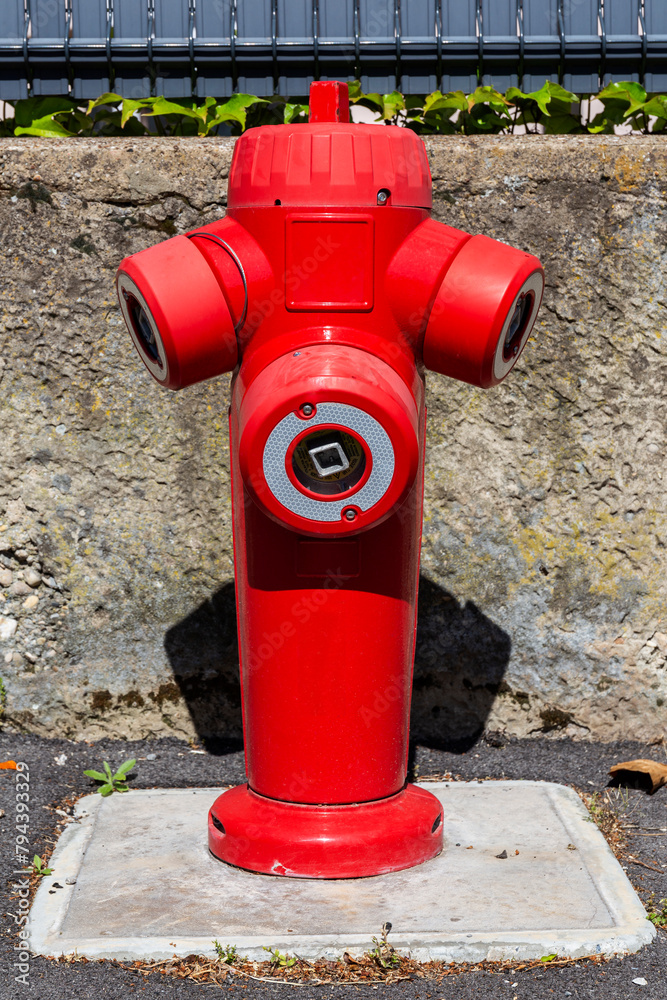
326	289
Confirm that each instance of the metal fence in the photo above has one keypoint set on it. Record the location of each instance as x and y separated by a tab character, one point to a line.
181	48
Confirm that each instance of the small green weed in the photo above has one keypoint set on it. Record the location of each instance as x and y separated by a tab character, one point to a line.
278	960
39	867
383	953
657	917
112	782
226	954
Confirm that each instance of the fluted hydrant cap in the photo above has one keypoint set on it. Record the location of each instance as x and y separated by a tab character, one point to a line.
330	162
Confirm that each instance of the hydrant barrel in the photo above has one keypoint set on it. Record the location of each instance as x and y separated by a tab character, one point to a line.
327	288
327	601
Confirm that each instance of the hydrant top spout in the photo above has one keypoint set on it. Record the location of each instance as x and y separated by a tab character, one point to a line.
329	102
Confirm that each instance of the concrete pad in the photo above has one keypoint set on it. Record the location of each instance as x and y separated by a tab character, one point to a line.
148	888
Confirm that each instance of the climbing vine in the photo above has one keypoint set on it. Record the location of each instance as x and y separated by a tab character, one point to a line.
486	111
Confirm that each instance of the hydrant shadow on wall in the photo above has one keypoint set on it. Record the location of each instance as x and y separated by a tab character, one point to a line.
328	289
461	658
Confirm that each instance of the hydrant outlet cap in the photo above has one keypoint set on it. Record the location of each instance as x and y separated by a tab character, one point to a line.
176	313
484	312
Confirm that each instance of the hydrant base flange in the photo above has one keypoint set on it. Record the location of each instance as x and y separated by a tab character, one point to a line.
272	837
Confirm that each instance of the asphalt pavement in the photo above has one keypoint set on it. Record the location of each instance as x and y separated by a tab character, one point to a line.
56	780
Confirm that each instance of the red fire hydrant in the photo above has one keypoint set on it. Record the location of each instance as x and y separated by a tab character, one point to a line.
328	288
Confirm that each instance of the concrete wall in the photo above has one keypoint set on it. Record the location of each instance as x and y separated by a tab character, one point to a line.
543	604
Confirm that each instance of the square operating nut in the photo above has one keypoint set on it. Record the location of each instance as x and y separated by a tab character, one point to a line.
329	458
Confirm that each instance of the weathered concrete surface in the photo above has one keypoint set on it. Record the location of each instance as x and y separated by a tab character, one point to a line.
551	886
543	605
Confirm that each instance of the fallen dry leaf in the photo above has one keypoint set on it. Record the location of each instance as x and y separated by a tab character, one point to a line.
656	772
8	765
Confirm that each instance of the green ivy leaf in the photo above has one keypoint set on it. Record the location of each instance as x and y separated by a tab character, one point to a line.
657	106
561	124
162	106
413	102
490	96
372	101
611	115
437	123
109	123
392	104
29	112
387	106
112	99
549	93
129	108
294	111
659	126
625	90
234	110
47	127
455	101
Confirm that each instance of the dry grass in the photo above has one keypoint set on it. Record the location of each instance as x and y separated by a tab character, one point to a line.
348	972
610	811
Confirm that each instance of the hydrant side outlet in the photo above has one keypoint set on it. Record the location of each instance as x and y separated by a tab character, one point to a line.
326	289
176	313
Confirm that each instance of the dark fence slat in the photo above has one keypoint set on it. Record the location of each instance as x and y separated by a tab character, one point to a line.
542	43
656	54
130	48
13	77
379	69
624	43
296	24
213	21
173	70
48	56
88	50
501	44
255	49
460	49
583	46
419	63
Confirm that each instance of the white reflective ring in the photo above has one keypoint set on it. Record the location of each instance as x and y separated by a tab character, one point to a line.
159	372
535	284
373	435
